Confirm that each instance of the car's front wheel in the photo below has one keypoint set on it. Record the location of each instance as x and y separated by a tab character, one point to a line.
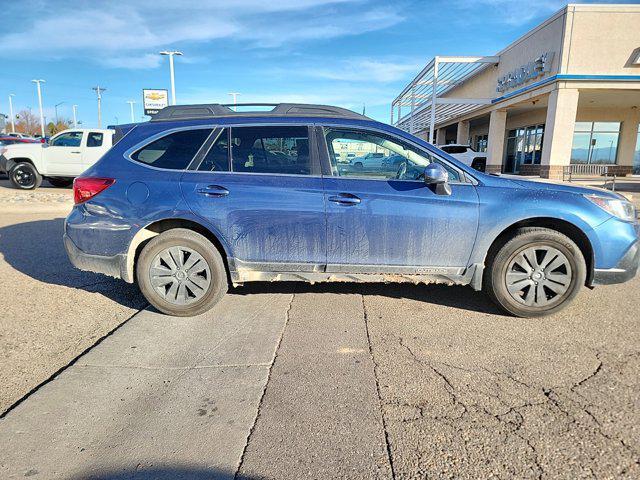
25	176
537	272
181	273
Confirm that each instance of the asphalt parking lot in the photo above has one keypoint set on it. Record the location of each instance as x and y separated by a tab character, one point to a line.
302	381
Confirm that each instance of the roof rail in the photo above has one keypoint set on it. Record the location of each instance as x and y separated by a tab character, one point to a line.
183	112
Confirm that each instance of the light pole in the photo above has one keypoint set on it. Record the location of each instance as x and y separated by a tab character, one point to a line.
56	109
13	125
131	102
38	82
171	53
99	91
75	116
235	99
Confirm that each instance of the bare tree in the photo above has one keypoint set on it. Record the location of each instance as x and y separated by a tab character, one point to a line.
27	123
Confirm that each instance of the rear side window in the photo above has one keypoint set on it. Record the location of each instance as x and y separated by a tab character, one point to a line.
276	150
217	158
174	151
94	139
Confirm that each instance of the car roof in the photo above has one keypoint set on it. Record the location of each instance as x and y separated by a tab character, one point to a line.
217	110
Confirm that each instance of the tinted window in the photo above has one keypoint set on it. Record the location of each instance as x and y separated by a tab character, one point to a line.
377	156
274	150
454	149
69	139
217	158
175	151
94	139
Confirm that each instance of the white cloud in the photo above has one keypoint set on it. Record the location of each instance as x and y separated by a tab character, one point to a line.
126	35
510	12
366	70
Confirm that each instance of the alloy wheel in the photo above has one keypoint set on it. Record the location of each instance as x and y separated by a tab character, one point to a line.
180	275
538	276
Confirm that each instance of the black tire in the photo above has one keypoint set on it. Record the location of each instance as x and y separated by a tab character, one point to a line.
60	182
358	166
535	279
25	176
183	238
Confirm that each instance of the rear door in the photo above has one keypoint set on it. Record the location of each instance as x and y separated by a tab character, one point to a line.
387	219
96	145
261	187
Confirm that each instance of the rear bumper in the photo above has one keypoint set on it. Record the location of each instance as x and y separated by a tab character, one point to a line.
115	266
625	270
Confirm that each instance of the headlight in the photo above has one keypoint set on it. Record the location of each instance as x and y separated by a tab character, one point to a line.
617	207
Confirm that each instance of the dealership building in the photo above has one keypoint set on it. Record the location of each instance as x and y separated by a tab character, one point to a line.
565	93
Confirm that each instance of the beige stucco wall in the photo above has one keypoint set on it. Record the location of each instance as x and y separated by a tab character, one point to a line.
602	39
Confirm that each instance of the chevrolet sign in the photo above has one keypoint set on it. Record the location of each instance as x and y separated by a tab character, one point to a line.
537	68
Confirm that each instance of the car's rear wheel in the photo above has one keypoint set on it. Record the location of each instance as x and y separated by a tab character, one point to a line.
25	176
535	273
60	182
181	273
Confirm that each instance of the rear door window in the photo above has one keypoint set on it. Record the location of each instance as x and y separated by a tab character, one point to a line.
217	158
94	139
271	149
174	151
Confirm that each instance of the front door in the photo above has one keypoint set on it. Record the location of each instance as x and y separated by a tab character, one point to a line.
262	190
63	156
389	217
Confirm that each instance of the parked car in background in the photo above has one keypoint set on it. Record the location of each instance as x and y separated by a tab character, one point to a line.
10	140
466	154
370	160
66	156
192	200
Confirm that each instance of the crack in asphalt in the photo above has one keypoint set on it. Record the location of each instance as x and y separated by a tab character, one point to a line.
513	417
375	376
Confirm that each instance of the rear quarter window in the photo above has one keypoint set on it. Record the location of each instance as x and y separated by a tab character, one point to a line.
173	151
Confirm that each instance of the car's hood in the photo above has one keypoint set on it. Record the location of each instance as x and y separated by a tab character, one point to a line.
550	185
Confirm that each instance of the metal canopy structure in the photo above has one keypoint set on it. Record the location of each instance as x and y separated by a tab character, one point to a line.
425	95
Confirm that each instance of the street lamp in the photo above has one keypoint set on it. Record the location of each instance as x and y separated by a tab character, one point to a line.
235	99
38	82
56	109
13	125
75	116
131	102
171	53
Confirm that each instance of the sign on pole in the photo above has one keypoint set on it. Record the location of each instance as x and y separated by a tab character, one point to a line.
154	100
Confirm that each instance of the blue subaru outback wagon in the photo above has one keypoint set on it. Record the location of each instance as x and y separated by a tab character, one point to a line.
203	196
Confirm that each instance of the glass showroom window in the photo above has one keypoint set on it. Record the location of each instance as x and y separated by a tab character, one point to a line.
595	142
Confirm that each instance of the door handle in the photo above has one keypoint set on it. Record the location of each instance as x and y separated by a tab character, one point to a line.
213	191
76	152
345	199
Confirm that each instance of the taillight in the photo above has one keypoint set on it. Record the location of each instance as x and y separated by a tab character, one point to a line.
85	188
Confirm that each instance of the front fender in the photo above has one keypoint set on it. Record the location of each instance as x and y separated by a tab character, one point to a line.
502	208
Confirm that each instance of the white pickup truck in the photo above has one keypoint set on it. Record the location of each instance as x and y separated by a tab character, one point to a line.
64	157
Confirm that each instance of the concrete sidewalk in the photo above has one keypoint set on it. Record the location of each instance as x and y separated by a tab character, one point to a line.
160	392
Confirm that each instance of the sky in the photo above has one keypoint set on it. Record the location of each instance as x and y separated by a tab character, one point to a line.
350	53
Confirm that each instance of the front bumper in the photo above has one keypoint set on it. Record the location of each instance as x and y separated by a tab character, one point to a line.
3	164
625	270
115	266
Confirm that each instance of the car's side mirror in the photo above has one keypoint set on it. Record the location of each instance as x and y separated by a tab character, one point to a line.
435	174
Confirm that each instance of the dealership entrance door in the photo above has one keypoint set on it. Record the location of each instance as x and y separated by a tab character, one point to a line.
524	146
